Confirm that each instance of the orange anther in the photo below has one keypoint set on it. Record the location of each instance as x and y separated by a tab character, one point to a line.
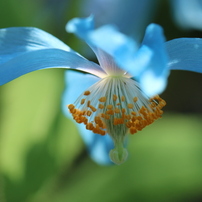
87	92
133	113
101	106
70	106
135	99
117	110
102	99
111	112
122	98
89	113
114	97
133	130
88	103
130	106
82	101
109	106
92	108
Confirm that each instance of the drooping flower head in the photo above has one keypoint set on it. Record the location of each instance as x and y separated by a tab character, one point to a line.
115	105
118	96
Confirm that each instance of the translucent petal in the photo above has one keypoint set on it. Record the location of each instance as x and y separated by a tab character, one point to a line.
81	27
98	146
109	39
43	59
19	40
149	62
185	54
25	49
153	77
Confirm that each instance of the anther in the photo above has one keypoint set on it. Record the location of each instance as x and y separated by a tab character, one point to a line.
117	110
92	108
87	92
109	106
101	106
122	98
88	103
82	101
102	99
114	97
130	106
71	106
89	113
135	99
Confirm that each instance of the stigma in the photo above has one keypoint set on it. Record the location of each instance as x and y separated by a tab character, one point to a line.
116	106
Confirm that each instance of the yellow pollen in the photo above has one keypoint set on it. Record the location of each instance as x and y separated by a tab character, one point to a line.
122	98
87	92
102	99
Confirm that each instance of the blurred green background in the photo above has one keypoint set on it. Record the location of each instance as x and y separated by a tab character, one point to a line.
42	156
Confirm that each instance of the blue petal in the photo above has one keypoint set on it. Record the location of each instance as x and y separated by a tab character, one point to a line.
19	40
185	54
188	14
45	58
153	78
148	65
81	26
98	146
112	41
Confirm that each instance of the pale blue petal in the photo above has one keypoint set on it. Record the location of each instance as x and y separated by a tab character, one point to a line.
187	13
43	59
81	27
148	64
153	78
185	54
109	39
19	40
98	146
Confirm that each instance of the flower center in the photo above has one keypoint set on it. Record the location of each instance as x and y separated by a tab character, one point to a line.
116	105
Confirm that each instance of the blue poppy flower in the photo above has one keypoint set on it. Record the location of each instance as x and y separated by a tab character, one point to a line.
115	97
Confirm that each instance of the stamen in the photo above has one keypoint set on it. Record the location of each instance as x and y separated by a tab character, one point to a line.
135	99
82	101
116	106
102	99
114	97
87	92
